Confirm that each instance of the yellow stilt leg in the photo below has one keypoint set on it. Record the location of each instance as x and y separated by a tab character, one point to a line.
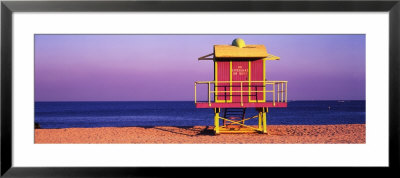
259	120
264	117
216	120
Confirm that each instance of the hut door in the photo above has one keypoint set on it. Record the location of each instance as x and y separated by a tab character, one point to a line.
257	74
240	72
222	85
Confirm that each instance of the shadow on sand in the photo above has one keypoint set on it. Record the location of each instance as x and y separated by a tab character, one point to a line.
189	131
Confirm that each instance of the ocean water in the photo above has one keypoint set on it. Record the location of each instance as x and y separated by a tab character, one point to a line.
184	113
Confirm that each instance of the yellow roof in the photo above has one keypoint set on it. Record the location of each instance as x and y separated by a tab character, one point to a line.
249	51
272	57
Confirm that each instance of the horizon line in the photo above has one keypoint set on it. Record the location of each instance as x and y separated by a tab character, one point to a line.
192	100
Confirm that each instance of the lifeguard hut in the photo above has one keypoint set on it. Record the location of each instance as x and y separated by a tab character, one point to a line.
240	83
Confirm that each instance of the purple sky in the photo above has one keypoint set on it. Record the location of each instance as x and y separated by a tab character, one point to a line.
165	67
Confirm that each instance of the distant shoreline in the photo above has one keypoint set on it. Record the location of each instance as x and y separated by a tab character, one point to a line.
300	134
177	101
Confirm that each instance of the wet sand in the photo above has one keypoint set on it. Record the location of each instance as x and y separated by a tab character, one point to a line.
351	133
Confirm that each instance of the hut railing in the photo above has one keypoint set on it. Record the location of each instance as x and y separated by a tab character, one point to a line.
278	91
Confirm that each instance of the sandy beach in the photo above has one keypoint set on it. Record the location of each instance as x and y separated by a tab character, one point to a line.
349	133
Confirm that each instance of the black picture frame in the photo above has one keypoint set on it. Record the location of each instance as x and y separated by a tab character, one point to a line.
8	7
